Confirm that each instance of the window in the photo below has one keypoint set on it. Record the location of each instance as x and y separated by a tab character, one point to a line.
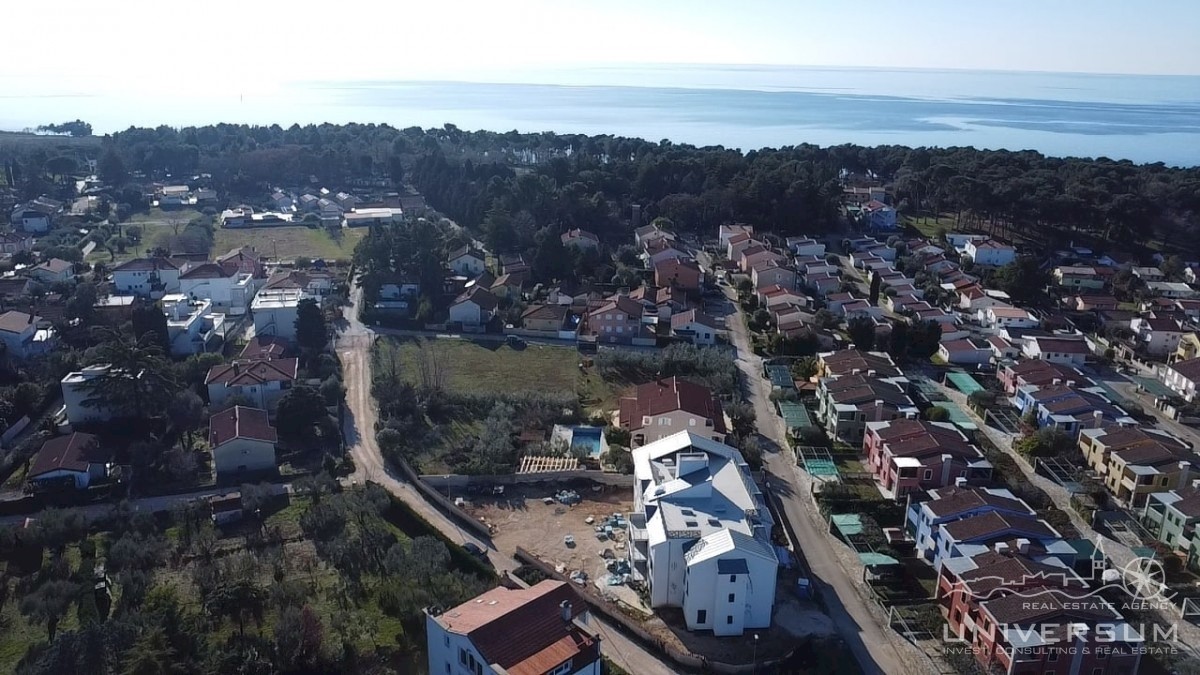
732	578
728	620
731	597
1053	655
928	474
462	656
447	668
702	616
562	669
447	639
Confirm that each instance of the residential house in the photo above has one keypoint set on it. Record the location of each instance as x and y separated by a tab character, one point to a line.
53	271
1148	274
545	318
969	352
848	402
282	201
860	309
679	273
260	382
772	296
1171	516
660	250
1157	336
13	288
1002	349
1070	409
856	362
907	455
174	197
366	217
1182	377
696	327
1189	307
1007	317
1017	614
11	242
522	631
242	440
1079	278
664	407
243	260
738	243
347	201
618	320
466	262
317	284
726	232
1188	348
33	218
1068	350
862	195
76	461
934	314
25	335
308	202
265	348
1095	303
806	246
1135	463
1170	289
513	263
76	393
772	273
976	534
275	312
925	513
331	212
952	332
475	307
1038	373
580	239
229	290
899	302
147	277
879	216
192	325
660	302
509	285
974	299
959	240
989	253
645	233
699	535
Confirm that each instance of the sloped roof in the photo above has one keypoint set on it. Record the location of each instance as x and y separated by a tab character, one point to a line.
664	396
480	296
207	271
992	524
54	266
146	265
240	422
682	319
68	453
241	373
955	500
13	321
266	347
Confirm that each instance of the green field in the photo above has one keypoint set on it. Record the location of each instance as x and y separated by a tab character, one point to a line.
931	227
491	367
286	243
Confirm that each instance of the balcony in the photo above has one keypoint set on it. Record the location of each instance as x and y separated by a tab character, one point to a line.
637	527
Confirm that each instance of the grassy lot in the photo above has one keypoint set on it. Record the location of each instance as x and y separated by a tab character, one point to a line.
493	367
929	226
157	225
286	243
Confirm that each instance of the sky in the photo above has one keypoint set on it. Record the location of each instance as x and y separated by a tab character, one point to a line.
176	46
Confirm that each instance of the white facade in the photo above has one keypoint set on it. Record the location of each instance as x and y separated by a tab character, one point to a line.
990	253
74	395
239	455
695	332
999	317
274	312
469	314
1156	340
468	265
192	326
137	277
1056	350
32	221
700	534
1182	382
231	294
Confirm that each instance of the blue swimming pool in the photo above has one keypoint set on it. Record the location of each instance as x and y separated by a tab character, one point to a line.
588	437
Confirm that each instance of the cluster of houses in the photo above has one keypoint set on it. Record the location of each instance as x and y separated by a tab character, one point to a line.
332	209
667	308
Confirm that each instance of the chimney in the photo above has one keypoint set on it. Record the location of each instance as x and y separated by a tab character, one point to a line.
947	466
1001	547
1070	383
237	368
878	411
1055	382
1023	545
1184	470
1098	418
960	482
565	610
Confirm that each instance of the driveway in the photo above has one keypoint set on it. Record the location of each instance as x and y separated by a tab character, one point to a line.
873	646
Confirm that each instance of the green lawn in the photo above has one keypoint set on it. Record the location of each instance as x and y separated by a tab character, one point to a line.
286	243
931	227
493	367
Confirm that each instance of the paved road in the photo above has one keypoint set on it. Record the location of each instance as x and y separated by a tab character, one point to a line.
353	347
857	626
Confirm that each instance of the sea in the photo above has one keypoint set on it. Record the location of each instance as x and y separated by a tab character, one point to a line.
1136	117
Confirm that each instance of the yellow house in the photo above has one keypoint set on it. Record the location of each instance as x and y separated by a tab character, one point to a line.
1189	348
1135	463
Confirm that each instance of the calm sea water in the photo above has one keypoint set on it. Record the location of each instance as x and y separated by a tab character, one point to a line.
1143	118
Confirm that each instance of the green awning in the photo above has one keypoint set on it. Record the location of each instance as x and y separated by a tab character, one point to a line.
877	559
849	524
964	383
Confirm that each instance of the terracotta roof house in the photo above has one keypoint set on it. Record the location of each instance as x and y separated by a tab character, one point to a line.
664	407
1135	463
74	461
907	455
856	361
263	383
619	320
265	348
526	631
680	273
695	327
1039	374
548	318
242	440
52	271
475	307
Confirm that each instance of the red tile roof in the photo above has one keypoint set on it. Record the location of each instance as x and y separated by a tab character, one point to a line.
664	396
241	373
69	453
146	265
207	271
682	319
480	296
240	422
13	321
265	347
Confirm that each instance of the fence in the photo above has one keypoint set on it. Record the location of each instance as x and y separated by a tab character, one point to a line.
14	431
442	501
612	614
460	481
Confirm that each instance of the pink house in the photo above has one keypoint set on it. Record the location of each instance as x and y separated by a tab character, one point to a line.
907	455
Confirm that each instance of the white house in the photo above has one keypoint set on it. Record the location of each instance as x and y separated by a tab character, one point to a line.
76	460
32	220
806	246
466	262
146	277
242	439
1182	377
542	629
282	201
474	307
1157	335
25	335
966	352
999	317
1170	289
771	273
1066	350
53	271
262	383
192	325
960	241
695	327
75	395
229	290
275	312
989	252
727	232
700	534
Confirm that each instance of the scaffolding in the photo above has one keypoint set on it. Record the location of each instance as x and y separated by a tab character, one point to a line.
818	462
1062	472
1004	419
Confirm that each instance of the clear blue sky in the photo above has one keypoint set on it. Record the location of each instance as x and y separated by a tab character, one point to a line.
174	45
